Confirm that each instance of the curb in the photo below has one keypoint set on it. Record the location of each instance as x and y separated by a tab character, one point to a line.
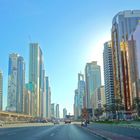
95	133
130	126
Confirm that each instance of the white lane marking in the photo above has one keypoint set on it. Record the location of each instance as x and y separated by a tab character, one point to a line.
52	135
11	134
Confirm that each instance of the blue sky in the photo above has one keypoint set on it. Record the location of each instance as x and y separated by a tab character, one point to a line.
70	33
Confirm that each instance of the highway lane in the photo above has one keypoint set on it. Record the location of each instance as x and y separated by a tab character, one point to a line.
56	132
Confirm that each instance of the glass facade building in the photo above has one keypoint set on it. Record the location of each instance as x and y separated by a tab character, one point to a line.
76	104
53	111
93	81
134	62
48	98
16	83
29	101
57	111
136	37
36	75
81	93
64	113
123	24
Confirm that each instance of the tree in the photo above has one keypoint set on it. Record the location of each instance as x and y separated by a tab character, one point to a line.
119	107
110	110
136	105
98	112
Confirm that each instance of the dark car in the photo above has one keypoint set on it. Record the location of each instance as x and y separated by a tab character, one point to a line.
67	121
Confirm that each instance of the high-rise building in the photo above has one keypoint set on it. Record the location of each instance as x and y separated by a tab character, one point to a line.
53	110
36	74
1	89
134	62
93	81
48	98
57	111
29	101
43	96
20	84
76	104
124	23
81	93
108	75
64	113
99	100
16	83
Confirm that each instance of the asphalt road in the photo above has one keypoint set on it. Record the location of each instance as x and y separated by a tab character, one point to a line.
52	132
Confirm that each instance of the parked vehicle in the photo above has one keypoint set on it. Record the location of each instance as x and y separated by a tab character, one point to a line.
56	122
67	121
44	121
1	123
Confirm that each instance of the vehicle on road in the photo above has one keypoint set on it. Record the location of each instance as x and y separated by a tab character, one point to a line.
67	121
56	122
44	121
1	123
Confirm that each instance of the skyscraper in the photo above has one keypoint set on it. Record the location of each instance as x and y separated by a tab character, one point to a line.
108	75
64	113
29	100
99	101
123	24
93	81
1	89
57	111
134	67
53	110
48	98
134	62
16	83
76	104
35	74
99	98
43	96
81	93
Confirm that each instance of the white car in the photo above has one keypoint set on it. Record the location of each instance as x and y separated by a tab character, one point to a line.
56	121
1	123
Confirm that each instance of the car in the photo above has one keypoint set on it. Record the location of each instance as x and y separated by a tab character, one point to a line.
67	121
1	123
44	121
56	122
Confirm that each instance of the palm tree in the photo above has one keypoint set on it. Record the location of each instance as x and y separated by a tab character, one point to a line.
118	107
98	112
110	110
136	105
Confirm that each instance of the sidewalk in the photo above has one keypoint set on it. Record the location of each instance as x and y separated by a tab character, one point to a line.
108	135
131	125
26	125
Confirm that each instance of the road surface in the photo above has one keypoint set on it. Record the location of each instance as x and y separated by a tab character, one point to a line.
52	132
